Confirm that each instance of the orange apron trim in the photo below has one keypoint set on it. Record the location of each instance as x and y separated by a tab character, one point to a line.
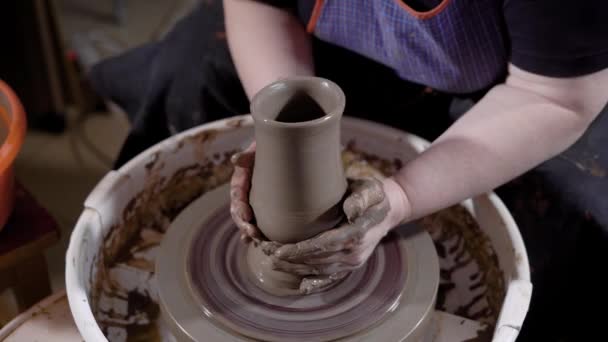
316	13
423	15
6	120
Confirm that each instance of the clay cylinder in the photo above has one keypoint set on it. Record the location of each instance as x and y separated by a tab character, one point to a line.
298	178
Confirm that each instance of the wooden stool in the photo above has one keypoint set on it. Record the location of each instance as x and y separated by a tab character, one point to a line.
29	231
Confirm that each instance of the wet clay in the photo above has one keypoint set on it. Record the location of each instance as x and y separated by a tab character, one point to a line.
298	179
164	197
261	273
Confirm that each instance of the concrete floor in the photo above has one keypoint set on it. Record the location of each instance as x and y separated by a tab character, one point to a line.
72	163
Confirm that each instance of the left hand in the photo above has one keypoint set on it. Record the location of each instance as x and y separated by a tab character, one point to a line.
373	208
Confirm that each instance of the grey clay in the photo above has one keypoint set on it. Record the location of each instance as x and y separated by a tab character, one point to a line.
298	178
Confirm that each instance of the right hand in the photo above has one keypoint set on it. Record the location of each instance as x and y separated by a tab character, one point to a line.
240	184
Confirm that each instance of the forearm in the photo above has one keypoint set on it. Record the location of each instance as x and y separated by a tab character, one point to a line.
266	43
515	127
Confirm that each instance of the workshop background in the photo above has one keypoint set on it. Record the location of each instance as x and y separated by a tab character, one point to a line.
72	139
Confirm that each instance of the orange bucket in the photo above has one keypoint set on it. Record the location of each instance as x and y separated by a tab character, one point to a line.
12	132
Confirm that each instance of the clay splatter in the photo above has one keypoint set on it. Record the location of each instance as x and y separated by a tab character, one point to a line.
124	290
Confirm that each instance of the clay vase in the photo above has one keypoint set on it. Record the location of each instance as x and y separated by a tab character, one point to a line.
298	178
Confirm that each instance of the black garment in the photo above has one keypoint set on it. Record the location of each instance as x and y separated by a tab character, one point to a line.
422	5
547	37
561	207
188	74
188	78
558	38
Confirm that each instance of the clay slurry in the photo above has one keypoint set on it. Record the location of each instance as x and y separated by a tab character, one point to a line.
301	107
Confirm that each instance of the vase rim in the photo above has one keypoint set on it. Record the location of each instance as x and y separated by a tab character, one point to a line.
334	113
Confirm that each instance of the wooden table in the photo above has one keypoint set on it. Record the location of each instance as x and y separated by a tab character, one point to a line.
29	231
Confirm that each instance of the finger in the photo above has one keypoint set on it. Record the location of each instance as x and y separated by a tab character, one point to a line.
240	183
316	284
331	241
352	258
241	214
244	159
365	194
328	258
249	230
248	239
241	217
307	270
297	269
251	147
241	210
269	247
373	217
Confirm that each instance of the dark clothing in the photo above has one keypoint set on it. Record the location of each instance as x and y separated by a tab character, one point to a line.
188	74
558	38
561	207
459	47
188	78
547	37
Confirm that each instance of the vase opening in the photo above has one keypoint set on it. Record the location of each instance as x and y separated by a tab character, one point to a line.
301	107
298	101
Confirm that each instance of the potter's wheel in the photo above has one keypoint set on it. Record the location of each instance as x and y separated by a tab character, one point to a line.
205	294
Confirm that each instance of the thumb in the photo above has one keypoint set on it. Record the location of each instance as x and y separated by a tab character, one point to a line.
365	193
245	158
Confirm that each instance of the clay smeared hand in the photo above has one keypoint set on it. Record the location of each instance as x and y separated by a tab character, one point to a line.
240	210
373	208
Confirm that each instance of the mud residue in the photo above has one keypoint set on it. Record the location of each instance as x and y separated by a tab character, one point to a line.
202	138
150	165
123	292
369	164
124	295
469	266
235	123
471	282
484	334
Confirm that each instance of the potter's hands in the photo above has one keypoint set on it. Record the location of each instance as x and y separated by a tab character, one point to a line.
240	210
373	208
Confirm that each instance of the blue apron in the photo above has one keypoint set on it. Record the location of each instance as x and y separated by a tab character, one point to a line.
457	47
